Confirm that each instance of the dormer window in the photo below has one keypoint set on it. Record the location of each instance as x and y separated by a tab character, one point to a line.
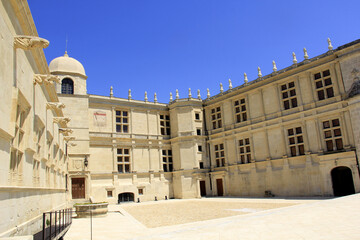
67	86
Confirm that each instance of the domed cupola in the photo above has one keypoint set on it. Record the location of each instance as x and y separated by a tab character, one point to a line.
67	65
71	73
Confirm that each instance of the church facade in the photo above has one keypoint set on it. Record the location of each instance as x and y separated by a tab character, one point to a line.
294	132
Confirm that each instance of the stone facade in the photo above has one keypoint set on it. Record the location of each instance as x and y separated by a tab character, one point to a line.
290	133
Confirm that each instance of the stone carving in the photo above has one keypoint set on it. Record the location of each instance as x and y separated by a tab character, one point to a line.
354	90
330	47
245	78
230	84
355	74
65	131
190	96
221	88
208	93
129	94
171	97
111	91
177	94
306	56
30	42
61	120
68	138
294	58
45	78
155	98
55	105
198	94
274	66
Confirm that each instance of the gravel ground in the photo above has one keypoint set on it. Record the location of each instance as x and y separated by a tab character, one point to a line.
166	213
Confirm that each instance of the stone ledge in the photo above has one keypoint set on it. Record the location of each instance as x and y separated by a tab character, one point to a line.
28	237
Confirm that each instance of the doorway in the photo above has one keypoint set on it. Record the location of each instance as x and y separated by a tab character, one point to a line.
342	181
219	186
126	197
202	188
78	188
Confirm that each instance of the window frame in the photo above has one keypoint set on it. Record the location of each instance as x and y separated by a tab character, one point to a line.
121	125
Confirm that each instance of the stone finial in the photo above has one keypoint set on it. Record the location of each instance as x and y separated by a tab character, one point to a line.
246	80
190	93
294	58
30	42
171	97
330	47
306	56
198	94
221	88
45	79
259	73
146	97
230	84
111	91
61	120
177	94
274	66
208	93
129	95
54	105
155	98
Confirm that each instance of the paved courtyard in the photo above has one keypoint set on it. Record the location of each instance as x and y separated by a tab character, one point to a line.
227	218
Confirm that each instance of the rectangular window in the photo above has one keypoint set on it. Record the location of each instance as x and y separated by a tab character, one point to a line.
216	118
140	191
109	194
296	141
245	150
199	148
123	160
332	135
240	110
201	165
288	94
197	116
219	155
167	160
198	132
122	121
165	124
323	85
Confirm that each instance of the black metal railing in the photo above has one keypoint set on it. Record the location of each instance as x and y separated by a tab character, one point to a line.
55	224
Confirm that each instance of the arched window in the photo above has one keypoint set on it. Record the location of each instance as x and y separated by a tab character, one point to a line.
67	86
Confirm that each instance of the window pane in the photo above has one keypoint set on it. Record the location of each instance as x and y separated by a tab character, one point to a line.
127	168
118	113
125	113
291	140
327	81
328	134
165	167
326	124
293	151
321	95
169	152
241	142
236	103
170	159
247	149
119	151
329	145
294	102
319	84
120	168
244	116
290	132
301	149
285	95
241	150
118	128
127	159
125	120
335	123
298	130
317	75
164	152
339	144
247	141
286	104
292	92
164	159
170	167
120	159
326	73
300	139
118	120
238	118
126	151
291	84
337	132
242	158
330	92
242	101
283	87
125	128
248	157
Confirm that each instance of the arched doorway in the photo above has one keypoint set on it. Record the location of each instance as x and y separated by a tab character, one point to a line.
126	197
342	181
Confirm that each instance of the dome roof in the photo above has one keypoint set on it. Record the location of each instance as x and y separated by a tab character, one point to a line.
67	64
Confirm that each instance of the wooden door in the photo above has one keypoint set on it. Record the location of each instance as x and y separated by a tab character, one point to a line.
78	188
219	186
202	188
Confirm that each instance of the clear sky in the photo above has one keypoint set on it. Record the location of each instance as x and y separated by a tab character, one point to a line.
163	45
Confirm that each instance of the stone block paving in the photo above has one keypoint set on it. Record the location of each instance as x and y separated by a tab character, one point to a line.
337	218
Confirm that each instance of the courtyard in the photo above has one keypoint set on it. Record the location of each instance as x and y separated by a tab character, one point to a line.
226	218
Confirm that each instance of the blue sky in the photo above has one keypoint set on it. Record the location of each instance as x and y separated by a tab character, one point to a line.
163	45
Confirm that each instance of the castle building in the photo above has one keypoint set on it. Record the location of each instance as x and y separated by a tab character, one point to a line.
294	132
